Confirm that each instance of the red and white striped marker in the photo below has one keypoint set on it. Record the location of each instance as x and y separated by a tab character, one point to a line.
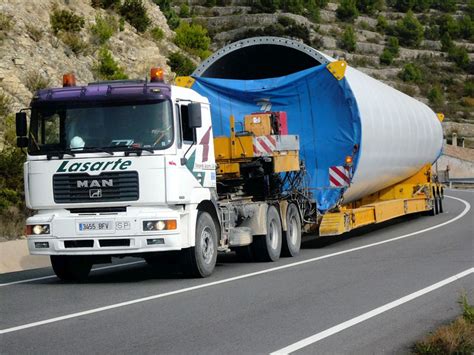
263	146
339	176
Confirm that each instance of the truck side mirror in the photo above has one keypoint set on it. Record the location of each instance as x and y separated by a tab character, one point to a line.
21	130
194	115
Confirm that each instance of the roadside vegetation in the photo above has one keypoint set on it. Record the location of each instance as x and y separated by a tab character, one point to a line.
12	201
454	338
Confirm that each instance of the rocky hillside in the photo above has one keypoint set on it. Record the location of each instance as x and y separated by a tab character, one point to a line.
34	54
427	70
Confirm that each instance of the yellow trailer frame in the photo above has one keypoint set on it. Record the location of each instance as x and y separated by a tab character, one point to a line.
416	194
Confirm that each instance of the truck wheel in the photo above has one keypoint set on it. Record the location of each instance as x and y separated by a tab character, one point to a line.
200	260
71	268
268	247
292	237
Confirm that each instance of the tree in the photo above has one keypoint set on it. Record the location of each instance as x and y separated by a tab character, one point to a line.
107	68
348	40
382	24
369	6
436	95
347	10
180	64
411	73
409	30
135	13
193	38
390	51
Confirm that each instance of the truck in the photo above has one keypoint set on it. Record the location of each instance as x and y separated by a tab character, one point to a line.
248	161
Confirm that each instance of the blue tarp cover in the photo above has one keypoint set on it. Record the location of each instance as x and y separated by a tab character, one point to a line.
320	109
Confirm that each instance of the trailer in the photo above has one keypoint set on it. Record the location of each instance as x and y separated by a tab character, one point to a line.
234	158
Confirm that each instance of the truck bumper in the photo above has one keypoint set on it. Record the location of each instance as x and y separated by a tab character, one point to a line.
124	233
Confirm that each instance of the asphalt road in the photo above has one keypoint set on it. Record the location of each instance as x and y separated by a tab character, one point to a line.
368	292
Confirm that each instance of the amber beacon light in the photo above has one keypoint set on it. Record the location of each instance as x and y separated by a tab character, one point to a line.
69	80
156	75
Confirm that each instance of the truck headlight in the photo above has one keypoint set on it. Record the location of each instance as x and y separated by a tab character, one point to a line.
37	229
159	225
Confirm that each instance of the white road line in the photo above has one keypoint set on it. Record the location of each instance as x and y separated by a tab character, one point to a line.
54	276
231	279
375	312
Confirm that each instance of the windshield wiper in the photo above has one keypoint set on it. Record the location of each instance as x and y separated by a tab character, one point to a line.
137	150
97	149
60	154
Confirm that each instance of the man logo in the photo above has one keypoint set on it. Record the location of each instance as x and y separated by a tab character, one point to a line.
95	193
94	183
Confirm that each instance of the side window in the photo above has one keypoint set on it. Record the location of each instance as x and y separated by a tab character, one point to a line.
188	133
50	130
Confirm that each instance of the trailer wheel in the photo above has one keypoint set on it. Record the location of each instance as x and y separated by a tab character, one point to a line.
71	268
268	247
440	202
292	237
200	260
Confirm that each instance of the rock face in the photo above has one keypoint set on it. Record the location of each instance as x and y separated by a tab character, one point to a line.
29	47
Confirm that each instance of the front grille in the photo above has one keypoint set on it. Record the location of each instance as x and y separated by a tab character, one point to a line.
106	187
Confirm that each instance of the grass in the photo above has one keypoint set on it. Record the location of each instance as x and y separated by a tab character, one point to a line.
454	338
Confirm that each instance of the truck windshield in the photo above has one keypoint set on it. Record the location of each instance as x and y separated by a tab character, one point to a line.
81	128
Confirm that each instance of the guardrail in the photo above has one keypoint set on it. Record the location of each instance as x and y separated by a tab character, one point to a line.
461	182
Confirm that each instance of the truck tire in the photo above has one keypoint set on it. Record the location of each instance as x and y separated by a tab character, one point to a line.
200	260
268	247
292	237
71	268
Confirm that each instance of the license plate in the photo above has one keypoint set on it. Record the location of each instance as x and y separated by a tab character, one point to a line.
98	226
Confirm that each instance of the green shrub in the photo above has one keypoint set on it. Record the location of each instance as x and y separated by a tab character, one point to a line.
6	22
65	21
466	27
460	56
382	24
393	46
265	6
445	5
469	88
390	51
171	16
369	7
104	28
402	5
386	57
180	64
184	11
34	81
193	38
347	10
74	42
446	42
436	95
348	40
157	34
107	68
422	5
447	24
411	73
135	13
409	30
105	4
